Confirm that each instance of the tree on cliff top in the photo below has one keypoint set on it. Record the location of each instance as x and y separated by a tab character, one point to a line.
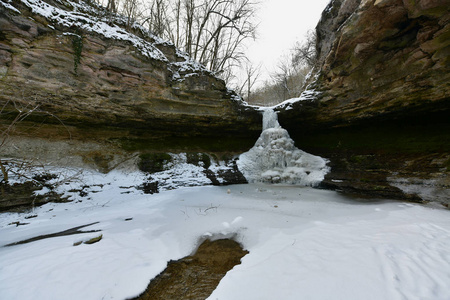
288	81
210	31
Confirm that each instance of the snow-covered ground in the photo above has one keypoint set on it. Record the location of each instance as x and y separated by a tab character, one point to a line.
304	243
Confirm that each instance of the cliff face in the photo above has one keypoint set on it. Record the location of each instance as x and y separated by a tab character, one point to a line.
80	89
93	74
388	57
381	105
381	59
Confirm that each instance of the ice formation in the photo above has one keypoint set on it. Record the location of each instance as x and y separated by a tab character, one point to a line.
275	159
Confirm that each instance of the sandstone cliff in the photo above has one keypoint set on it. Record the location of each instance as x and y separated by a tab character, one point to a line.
77	63
80	88
381	103
387	59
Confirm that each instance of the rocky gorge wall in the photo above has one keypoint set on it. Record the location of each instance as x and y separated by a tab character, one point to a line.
80	89
381	105
91	75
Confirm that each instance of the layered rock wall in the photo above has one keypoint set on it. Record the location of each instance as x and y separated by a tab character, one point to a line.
388	59
381	105
86	78
81	90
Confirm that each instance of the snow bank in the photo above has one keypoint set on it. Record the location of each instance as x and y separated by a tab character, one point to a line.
304	244
70	181
6	3
180	173
307	95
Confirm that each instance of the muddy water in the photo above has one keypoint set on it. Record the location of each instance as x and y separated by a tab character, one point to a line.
195	276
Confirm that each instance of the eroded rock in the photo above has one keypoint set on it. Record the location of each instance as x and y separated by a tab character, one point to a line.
131	87
381	92
380	60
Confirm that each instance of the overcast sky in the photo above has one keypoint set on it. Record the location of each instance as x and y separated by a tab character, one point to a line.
282	22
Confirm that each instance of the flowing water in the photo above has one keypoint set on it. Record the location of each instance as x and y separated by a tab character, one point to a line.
275	159
195	277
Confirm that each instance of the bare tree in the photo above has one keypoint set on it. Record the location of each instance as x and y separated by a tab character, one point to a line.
305	51
210	31
15	113
289	79
189	16
282	78
21	113
130	11
157	19
252	73
111	6
219	40
175	35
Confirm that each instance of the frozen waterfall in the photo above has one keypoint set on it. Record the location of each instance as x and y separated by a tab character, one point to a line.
275	159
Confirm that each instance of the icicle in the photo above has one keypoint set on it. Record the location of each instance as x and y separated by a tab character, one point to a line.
270	119
275	159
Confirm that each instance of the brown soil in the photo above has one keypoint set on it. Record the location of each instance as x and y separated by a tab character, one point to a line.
195	276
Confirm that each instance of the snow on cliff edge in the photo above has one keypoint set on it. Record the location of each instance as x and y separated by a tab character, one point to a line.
95	19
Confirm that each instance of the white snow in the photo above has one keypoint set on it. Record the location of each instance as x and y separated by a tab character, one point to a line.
306	95
275	159
181	173
178	172
6	4
304	243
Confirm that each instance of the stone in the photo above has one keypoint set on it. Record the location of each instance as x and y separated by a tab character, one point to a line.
82	79
382	84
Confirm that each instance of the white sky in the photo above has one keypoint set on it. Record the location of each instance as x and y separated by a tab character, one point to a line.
282	23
